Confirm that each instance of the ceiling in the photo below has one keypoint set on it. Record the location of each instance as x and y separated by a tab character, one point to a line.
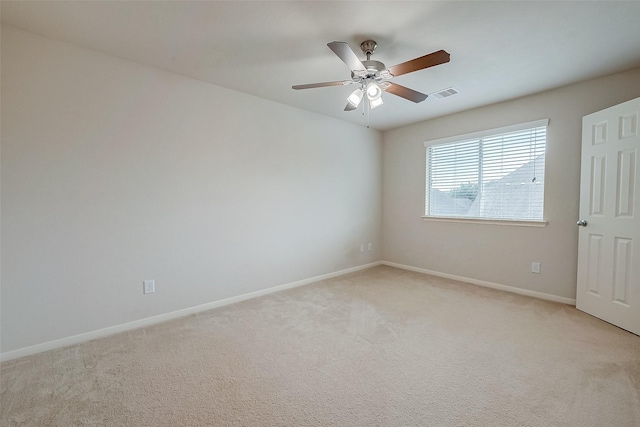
499	50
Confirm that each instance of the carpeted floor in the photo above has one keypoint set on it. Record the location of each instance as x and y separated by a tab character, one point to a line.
381	347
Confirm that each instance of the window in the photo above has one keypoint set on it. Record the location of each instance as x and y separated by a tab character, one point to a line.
495	174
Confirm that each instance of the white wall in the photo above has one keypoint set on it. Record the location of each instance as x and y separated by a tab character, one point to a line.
113	172
492	253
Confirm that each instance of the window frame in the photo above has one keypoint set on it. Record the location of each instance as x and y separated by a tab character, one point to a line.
480	135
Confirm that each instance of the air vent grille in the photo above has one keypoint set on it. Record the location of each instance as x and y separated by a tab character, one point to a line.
445	93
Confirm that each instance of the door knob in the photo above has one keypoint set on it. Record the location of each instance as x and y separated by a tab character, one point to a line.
582	223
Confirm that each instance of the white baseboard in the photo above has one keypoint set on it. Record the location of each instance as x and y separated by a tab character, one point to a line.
112	330
535	294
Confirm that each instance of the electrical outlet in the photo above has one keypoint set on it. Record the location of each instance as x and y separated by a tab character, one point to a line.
535	267
149	286
362	247
370	246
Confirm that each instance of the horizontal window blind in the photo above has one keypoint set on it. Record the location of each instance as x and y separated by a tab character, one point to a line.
494	176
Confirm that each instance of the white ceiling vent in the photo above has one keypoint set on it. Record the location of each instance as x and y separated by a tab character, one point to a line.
445	93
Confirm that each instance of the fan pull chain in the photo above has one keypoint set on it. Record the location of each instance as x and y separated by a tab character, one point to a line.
368	113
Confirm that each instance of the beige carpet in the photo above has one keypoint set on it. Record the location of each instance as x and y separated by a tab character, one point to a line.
382	347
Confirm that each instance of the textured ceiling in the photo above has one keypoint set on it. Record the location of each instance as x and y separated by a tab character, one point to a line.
499	50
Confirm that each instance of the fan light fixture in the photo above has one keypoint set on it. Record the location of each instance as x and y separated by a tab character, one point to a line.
373	91
374	94
376	102
356	97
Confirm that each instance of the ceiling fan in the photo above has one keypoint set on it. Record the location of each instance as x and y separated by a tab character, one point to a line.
372	77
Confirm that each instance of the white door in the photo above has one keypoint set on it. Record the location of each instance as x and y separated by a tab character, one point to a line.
609	242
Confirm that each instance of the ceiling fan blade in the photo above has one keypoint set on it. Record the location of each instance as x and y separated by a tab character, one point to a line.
350	107
347	55
405	92
324	84
430	60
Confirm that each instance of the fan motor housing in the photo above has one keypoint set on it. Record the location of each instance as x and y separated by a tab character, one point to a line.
374	66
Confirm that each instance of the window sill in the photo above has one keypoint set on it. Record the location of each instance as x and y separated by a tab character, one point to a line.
517	223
